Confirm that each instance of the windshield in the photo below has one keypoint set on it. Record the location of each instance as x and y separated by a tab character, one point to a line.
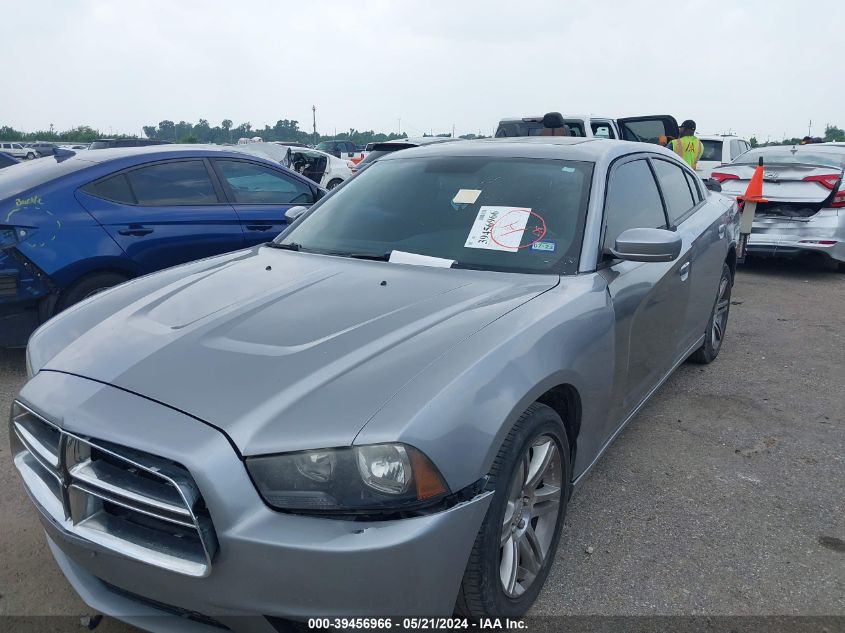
505	214
794	155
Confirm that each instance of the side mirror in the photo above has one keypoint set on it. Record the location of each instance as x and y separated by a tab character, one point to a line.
647	245
713	185
294	212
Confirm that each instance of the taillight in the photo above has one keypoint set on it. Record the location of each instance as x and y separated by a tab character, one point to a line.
720	176
828	181
838	199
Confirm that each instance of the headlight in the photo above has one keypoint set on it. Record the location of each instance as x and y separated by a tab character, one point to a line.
373	478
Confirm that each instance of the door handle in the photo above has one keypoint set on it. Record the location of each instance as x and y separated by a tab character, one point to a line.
259	227
135	231
684	271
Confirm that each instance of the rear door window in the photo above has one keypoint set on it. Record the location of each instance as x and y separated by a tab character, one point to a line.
633	201
675	188
173	183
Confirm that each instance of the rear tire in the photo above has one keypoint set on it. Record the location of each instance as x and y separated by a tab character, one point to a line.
516	544
718	323
333	183
87	287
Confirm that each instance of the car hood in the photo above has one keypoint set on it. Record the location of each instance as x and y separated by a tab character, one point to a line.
280	350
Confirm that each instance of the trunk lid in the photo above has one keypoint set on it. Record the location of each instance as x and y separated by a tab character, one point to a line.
790	183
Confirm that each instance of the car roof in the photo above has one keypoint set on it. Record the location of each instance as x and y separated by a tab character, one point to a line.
559	147
156	151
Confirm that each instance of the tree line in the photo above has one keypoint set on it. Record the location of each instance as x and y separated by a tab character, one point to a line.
283	130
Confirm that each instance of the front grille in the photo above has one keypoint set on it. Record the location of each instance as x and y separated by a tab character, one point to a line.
139	505
8	286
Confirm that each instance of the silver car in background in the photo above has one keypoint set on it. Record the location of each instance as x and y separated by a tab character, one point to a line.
385	410
805	212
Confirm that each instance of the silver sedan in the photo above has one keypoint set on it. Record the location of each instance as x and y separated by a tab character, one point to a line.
385	410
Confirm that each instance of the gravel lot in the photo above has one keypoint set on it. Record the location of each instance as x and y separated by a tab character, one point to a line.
723	497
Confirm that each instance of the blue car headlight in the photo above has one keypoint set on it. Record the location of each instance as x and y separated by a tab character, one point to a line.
357	479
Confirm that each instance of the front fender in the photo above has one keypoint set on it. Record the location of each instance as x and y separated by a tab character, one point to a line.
459	409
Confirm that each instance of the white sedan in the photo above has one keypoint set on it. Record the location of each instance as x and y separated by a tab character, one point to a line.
324	169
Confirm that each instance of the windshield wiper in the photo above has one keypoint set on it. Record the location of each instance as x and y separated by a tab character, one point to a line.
291	246
379	257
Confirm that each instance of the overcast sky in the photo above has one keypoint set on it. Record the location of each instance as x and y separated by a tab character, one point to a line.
763	67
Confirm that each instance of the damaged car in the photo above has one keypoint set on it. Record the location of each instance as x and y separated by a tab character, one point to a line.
73	225
804	212
383	411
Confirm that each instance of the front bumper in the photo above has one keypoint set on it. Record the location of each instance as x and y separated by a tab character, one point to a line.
789	237
267	563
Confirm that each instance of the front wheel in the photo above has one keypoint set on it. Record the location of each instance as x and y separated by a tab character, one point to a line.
333	183
30	156
516	544
718	323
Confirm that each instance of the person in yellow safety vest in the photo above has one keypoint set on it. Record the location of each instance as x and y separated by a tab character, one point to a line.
688	146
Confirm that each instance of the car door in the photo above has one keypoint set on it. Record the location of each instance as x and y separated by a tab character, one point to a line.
648	129
164	213
649	299
260	196
701	233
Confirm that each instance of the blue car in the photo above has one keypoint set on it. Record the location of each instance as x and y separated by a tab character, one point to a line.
7	160
72	225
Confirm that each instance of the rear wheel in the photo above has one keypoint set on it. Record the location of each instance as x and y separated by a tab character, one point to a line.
718	323
87	287
516	544
333	183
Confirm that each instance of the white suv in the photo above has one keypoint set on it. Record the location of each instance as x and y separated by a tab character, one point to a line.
17	150
719	149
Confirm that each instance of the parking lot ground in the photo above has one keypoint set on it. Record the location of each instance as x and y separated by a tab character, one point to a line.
724	496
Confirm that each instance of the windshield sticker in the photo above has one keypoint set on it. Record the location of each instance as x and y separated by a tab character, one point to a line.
549	247
466	196
401	257
503	228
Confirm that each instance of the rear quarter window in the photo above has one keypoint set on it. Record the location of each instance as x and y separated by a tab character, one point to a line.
114	188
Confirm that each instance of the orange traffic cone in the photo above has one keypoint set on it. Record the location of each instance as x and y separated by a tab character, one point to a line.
754	193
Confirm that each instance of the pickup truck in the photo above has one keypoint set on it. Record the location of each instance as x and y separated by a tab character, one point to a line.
656	128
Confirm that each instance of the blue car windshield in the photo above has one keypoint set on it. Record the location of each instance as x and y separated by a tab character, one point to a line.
490	213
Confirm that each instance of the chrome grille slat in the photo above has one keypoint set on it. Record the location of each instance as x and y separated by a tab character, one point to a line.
139	505
42	441
103	476
117	500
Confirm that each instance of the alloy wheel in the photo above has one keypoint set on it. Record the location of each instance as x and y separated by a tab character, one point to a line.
720	315
531	516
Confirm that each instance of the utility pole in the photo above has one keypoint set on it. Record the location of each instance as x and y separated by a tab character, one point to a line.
400	126
314	118
810	128
453	130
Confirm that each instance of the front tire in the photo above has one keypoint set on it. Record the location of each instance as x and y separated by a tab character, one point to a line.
718	323
516	544
30	156
333	183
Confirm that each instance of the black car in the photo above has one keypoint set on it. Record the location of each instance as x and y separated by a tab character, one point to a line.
338	149
108	143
